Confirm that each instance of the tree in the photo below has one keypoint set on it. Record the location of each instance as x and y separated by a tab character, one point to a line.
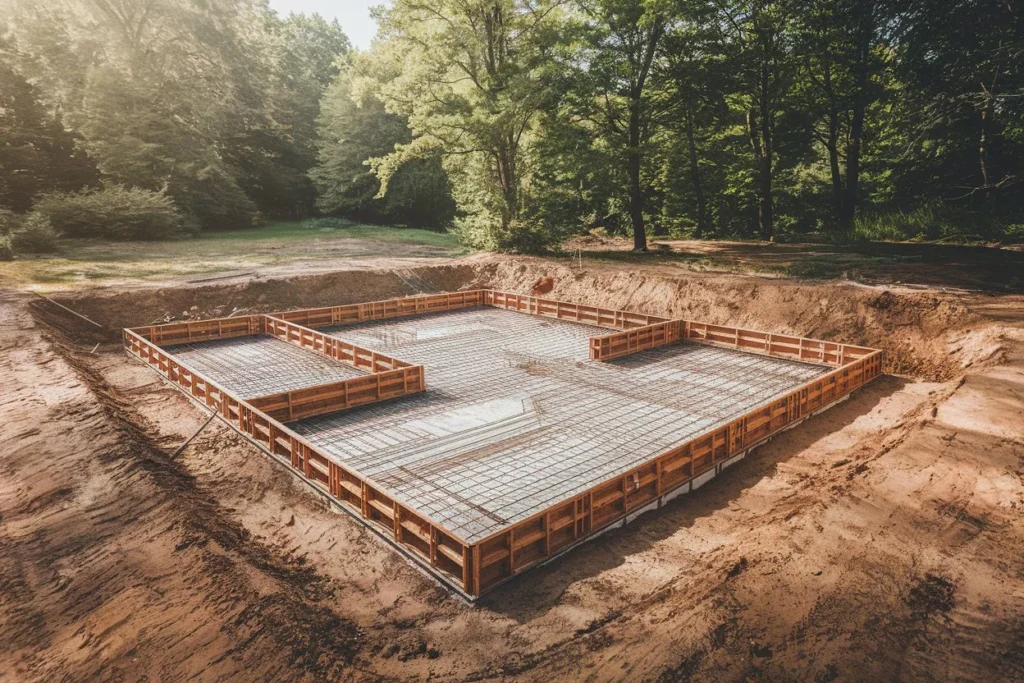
214	103
837	44
352	132
962	64
621	40
467	74
695	84
296	59
37	154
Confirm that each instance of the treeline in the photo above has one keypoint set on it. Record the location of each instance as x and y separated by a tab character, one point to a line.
516	123
140	118
710	118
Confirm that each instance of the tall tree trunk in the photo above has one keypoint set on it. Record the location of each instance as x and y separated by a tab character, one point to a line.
636	124
848	207
506	163
698	185
833	161
832	141
636	193
987	111
759	127
865	31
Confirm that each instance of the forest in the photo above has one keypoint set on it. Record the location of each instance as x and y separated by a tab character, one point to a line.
515	124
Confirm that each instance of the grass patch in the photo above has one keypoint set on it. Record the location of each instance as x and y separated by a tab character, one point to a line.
89	262
328	228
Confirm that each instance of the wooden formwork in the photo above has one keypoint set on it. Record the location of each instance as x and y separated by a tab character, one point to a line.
611	346
472	569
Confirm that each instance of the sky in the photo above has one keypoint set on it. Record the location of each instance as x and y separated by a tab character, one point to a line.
353	15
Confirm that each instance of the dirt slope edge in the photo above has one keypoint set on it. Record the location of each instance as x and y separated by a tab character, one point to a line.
927	335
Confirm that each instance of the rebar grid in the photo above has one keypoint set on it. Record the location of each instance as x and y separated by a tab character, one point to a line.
258	366
516	417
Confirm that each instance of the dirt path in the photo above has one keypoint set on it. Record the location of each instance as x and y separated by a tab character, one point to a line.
881	540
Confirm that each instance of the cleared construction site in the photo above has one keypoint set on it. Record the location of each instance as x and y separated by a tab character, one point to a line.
482	433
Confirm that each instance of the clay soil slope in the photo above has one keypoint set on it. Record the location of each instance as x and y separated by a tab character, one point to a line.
881	540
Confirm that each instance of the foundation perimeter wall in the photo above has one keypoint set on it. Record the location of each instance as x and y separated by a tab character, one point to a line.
473	569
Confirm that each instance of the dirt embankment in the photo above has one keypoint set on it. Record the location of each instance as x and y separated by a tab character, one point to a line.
925	335
117	308
880	540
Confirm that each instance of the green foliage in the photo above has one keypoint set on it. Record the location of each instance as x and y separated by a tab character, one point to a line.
470	78
35	235
935	221
528	237
351	132
114	212
6	250
36	153
8	221
212	103
520	122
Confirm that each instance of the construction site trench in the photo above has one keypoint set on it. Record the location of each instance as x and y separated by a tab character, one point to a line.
881	539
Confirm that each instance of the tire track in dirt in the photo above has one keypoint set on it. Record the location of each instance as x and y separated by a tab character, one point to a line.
113	563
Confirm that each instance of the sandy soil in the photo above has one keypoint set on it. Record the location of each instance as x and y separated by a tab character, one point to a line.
881	540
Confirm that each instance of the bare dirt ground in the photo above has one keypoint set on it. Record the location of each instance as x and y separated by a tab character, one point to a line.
881	540
921	265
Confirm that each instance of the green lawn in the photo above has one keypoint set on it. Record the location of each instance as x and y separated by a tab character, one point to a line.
92	262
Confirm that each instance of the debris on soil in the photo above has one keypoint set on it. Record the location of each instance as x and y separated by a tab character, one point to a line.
738	568
598	623
542	286
933	593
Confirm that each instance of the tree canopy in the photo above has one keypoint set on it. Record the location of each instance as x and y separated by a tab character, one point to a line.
516	123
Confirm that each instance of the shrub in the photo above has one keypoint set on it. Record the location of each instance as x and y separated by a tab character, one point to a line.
8	221
6	252
114	212
1014	232
35	236
521	235
527	237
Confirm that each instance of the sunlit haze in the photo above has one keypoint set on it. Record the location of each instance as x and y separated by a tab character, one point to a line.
353	15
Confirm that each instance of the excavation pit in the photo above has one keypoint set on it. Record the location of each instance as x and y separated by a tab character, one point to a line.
482	432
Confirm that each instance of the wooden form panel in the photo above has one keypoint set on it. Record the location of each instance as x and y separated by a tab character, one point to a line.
777	345
389	378
201	330
299	404
638	339
433	546
549	308
379	310
634	340
537	538
332	347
